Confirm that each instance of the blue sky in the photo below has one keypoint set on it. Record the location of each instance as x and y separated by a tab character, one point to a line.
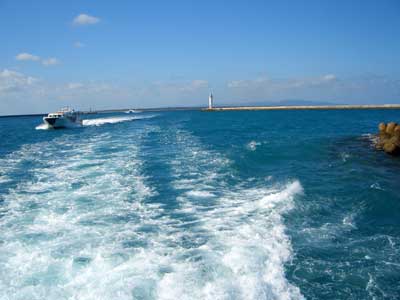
104	54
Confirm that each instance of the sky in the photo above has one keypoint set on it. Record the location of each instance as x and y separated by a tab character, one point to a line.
127	54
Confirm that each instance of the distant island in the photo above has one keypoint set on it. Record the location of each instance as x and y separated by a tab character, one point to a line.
286	102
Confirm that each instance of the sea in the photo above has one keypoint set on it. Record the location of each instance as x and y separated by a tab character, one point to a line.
200	205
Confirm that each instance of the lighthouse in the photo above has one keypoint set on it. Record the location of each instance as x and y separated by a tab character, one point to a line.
210	101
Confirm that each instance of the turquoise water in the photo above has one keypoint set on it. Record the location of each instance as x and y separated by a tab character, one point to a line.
194	205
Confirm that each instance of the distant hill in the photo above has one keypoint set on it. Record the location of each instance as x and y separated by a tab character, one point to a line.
283	103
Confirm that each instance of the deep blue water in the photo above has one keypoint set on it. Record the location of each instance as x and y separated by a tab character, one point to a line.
195	205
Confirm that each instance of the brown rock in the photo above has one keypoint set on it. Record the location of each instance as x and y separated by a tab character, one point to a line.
390	128
391	148
389	138
382	127
395	140
397	131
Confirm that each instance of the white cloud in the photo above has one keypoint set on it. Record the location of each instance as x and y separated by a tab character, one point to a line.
325	87
75	85
178	87
84	19
12	81
79	45
88	88
27	56
282	84
330	88
329	77
20	93
248	83
50	61
199	84
192	86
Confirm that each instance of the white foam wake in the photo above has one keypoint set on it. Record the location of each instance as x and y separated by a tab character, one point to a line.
242	252
64	231
45	126
113	120
241	242
85	226
109	120
42	126
101	121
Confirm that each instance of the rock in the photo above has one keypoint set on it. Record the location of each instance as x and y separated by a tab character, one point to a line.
390	128
382	128
395	140
391	148
388	138
397	131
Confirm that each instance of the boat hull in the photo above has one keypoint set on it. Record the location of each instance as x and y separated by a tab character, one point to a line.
61	122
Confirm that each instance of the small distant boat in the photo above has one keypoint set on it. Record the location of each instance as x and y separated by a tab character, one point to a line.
131	111
63	118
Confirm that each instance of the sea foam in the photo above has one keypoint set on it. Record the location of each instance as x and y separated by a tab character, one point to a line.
86	225
239	232
101	121
108	120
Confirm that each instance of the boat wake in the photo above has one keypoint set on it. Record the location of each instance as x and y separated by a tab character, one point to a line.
100	121
45	126
42	126
109	120
237	234
123	233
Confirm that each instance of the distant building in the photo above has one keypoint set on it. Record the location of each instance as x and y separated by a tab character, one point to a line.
210	100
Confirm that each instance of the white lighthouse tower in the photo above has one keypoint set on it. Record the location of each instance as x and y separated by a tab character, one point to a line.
210	101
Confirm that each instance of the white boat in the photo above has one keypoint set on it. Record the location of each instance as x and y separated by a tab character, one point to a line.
63	118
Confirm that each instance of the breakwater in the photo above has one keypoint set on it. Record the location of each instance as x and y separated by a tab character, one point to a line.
305	107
